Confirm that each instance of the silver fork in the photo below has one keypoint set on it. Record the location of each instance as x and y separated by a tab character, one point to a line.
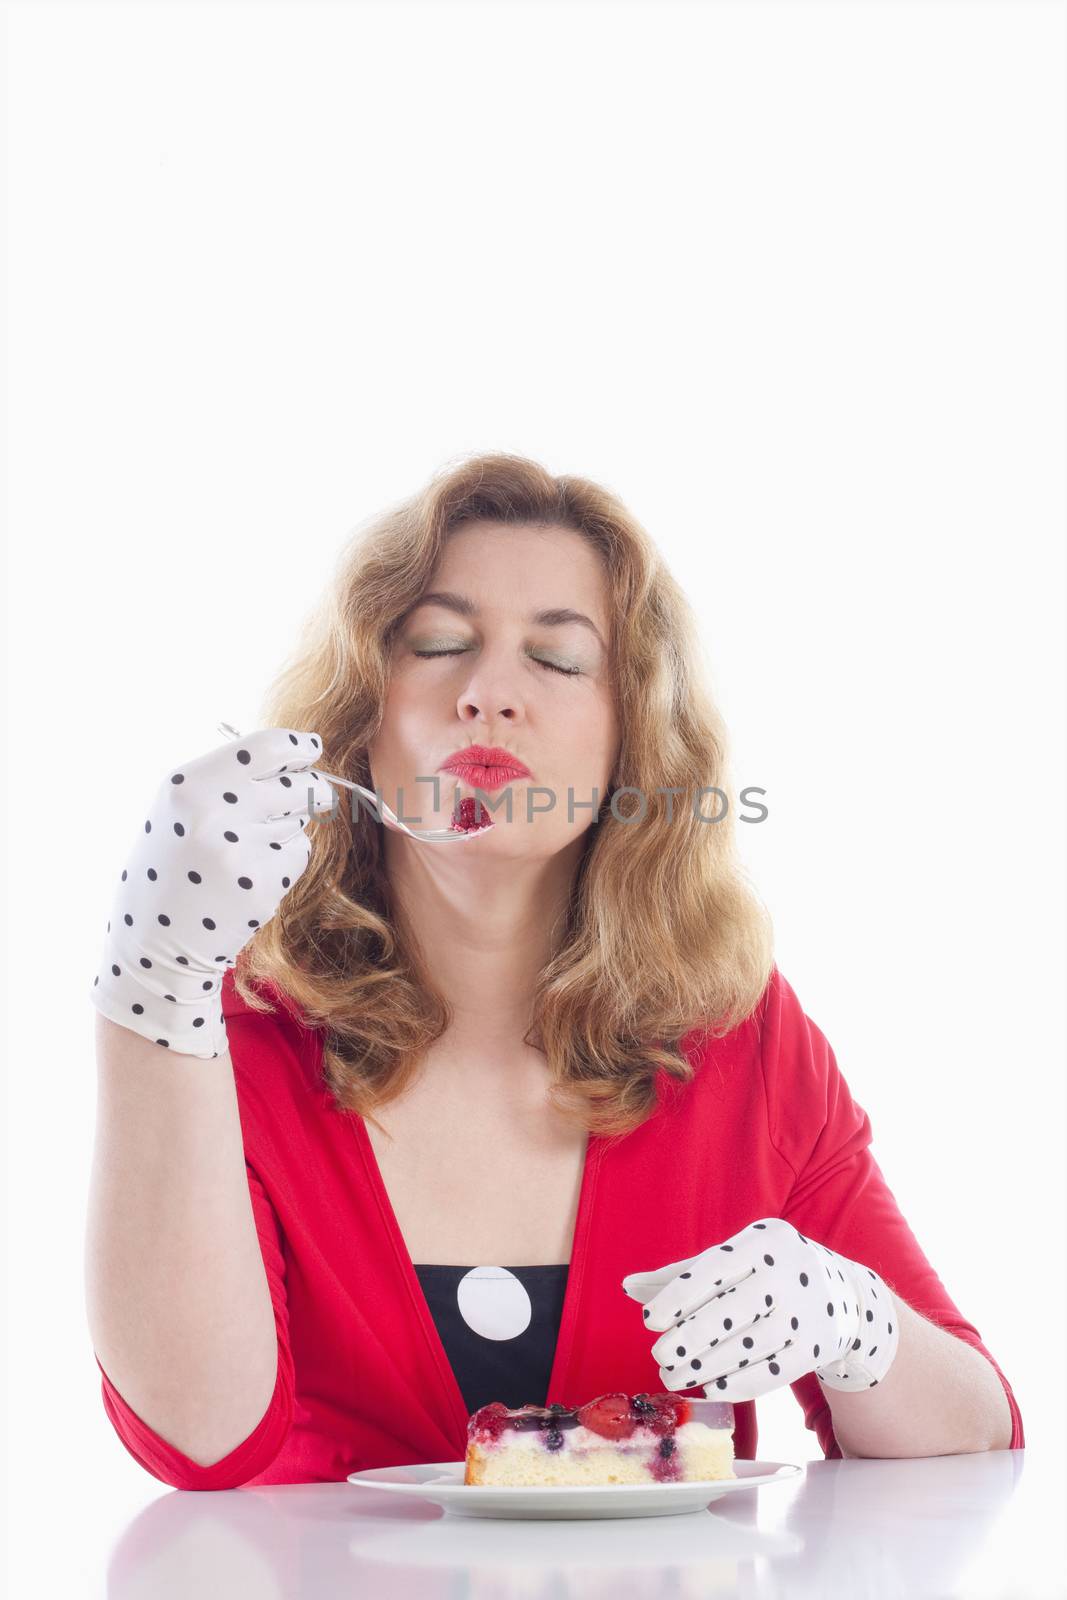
425	836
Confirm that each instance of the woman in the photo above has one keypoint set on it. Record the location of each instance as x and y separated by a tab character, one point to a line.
479	1084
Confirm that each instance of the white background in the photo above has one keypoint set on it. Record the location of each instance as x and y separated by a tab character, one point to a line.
789	278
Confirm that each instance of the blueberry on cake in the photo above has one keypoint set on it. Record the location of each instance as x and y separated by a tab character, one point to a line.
616	1438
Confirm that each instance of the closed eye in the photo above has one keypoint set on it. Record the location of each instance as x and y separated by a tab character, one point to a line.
569	672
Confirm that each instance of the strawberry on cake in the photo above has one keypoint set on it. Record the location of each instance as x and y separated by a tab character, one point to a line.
616	1438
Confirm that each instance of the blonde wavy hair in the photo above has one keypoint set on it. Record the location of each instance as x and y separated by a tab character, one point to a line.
663	931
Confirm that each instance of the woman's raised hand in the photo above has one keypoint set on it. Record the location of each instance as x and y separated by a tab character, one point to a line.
222	845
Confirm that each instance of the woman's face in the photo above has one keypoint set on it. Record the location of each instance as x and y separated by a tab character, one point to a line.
539	689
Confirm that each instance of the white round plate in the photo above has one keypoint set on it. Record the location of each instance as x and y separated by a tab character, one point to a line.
442	1482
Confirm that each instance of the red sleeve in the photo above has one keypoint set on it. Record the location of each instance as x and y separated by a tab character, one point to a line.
839	1196
254	1454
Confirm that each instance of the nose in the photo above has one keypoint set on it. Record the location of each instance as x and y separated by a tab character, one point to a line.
491	691
470	712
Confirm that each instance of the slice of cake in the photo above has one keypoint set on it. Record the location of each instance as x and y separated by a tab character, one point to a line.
616	1438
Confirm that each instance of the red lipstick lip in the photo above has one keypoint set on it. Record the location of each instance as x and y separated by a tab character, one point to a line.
485	767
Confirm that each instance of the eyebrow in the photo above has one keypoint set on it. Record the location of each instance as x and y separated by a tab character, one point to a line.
555	617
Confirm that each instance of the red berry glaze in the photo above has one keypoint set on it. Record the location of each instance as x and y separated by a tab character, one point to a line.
489	1422
672	1411
610	1415
466	817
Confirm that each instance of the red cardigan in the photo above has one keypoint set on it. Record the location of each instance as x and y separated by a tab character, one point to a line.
767	1127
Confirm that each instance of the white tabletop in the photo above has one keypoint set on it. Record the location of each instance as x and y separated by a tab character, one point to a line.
974	1525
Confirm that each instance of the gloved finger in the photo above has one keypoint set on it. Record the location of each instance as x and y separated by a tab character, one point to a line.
760	1372
716	1270
268	752
689	1291
734	1314
287	827
302	794
767	1356
641	1286
264	753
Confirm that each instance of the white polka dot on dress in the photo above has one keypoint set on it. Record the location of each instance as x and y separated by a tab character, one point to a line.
493	1303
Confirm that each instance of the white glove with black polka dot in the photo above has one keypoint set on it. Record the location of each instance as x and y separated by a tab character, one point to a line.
763	1309
222	845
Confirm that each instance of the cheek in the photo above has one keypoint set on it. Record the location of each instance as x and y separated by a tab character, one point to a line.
591	746
407	746
603	729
